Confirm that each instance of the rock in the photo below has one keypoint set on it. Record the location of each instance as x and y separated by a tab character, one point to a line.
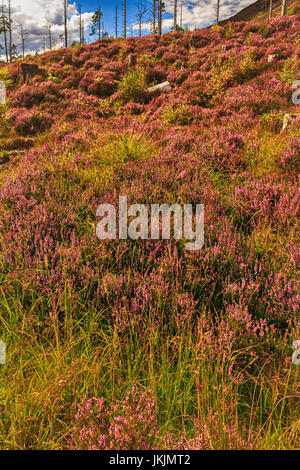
131	60
164	87
287	119
272	57
30	70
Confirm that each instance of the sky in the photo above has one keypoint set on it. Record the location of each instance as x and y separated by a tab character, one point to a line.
34	15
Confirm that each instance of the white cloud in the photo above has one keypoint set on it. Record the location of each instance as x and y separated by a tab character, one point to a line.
199	13
35	15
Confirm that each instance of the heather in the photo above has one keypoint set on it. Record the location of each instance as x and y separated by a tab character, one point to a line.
141	344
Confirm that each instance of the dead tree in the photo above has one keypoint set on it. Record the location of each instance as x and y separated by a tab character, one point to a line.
141	11
218	11
23	34
10	31
116	22
66	21
284	6
270	9
181	16
175	16
50	36
80	23
3	28
124	19
161	8
154	17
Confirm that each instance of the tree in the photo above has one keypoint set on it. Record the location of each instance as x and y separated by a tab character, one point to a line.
175	16
10	31
3	29
161	9
116	21
283	9
154	17
125	19
23	35
181	7
96	23
83	38
80	23
271	9
66	4
50	36
218	11
141	11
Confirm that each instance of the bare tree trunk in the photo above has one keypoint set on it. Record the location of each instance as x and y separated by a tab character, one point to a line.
284	5
181	16
66	22
125	19
154	16
99	24
218	11
80	23
271	9
10	30
159	17
50	37
141	11
22	40
4	31
175	15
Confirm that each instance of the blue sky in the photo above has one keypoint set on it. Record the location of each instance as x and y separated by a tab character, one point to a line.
36	15
203	12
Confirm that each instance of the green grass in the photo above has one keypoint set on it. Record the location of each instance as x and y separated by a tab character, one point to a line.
46	374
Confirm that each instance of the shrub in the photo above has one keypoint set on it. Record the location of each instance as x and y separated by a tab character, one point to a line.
177	114
290	70
248	65
289	157
133	85
29	122
127	426
222	75
104	85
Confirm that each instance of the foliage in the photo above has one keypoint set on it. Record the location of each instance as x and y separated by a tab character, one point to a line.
122	344
133	85
290	70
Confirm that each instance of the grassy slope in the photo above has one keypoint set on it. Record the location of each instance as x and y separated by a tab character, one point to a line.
208	332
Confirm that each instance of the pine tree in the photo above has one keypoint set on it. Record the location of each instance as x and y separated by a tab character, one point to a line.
96	23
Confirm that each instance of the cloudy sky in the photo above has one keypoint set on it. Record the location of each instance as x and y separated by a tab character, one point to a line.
34	15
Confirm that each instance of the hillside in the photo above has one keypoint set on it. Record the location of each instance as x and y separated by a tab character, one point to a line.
123	344
259	10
